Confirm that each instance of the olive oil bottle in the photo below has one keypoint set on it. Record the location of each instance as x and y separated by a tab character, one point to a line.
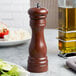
67	26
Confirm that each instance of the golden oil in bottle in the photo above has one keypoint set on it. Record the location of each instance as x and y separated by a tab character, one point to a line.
67	19
67	46
69	35
67	29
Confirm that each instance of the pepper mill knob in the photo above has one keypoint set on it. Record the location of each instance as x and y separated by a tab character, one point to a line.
37	61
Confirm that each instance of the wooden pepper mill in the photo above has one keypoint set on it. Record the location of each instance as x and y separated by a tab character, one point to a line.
37	61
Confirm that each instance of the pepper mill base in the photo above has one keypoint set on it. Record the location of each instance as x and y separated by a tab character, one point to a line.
37	65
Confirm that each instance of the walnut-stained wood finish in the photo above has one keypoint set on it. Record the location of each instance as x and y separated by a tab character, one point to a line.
37	51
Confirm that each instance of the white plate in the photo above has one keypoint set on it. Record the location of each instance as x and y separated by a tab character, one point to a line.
23	71
14	42
11	43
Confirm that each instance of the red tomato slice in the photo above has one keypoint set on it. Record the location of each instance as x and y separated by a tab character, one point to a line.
4	33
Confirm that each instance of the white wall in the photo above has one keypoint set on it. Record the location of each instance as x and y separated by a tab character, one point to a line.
14	13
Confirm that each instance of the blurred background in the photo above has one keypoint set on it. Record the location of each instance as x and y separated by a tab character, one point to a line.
14	12
52	6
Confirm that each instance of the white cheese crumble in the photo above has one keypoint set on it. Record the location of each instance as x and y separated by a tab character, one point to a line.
19	34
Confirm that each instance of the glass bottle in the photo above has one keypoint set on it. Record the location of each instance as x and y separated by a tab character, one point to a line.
67	26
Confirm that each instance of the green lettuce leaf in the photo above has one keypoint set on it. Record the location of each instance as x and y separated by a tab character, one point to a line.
14	71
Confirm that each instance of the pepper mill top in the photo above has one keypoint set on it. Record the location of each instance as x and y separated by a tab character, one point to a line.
38	12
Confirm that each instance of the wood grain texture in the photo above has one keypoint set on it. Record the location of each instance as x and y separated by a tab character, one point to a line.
51	5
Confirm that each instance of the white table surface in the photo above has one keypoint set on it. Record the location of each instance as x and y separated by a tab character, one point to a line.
19	55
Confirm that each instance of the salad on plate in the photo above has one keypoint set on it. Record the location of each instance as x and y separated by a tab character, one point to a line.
8	69
13	34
